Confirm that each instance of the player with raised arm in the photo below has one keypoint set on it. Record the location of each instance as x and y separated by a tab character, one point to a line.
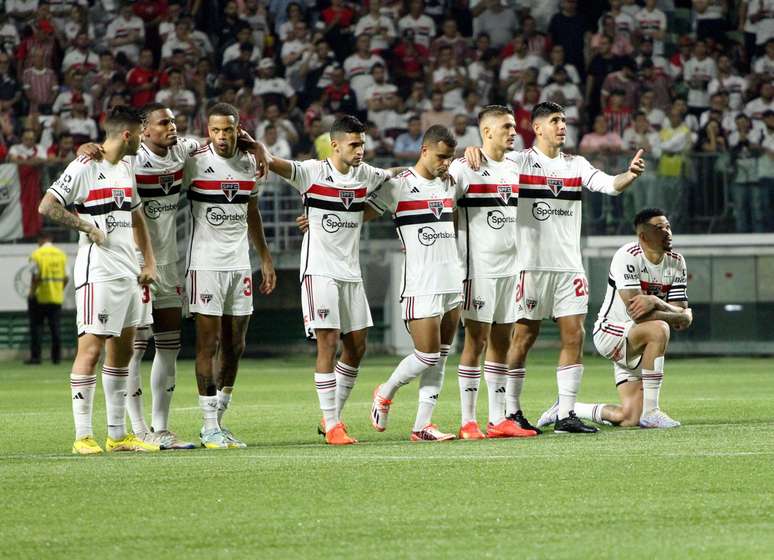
552	282
223	192
487	201
422	205
333	299
646	297
110	219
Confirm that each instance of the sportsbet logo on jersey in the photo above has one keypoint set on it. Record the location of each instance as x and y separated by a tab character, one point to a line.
332	223
217	216
541	211
428	236
153	208
496	219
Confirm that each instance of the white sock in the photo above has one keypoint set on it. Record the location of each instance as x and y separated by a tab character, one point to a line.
345	380
163	377
134	382
651	389
209	406
513	390
114	381
82	391
224	399
430	385
496	379
326	393
408	368
469	379
568	379
590	411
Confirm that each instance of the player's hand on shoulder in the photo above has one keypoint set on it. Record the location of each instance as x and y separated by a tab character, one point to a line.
92	150
303	223
474	157
268	276
640	305
96	235
637	166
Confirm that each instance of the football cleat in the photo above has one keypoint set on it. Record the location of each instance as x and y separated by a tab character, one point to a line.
130	442
431	433
506	429
321	427
380	409
470	430
338	436
573	425
233	443
86	445
658	419
214	439
523	422
549	416
169	440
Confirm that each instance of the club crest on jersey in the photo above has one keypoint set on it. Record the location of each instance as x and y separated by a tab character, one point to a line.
166	182
531	303
230	190
323	313
555	185
505	192
436	207
346	198
119	196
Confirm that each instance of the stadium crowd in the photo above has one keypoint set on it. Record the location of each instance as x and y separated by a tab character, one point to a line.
691	82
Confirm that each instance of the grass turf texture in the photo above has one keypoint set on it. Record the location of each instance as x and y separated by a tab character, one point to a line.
700	491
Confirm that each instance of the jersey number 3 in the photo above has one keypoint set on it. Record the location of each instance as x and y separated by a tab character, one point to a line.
248	282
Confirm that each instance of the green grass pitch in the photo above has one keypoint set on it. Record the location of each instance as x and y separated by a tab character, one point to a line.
700	491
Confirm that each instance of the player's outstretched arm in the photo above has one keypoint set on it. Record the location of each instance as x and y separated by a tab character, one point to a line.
258	239
636	168
142	240
52	209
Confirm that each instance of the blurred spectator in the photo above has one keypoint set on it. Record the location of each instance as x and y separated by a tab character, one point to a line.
21	11
466	135
449	77
316	70
168	21
513	67
9	35
652	24
276	145
253	13
537	42
82	127
338	97
273	117
657	82
417	101
250	109
384	103
623	80
176	96
647	106
557	59
29	152
602	64
422	25
451	37
472	107
64	100
681	56
77	21
617	113
294	51
80	57
764	64
408	144
572	94
240	72
620	42
10	92
709	18
244	37
273	89
378	26
437	114
493	17
44	126
43	40
294	15
358	68
126	34
143	80
49	278
102	80
642	136
623	27
63	152
338	19
181	40
482	74
377	144
40	83
755	108
523	114
410	59
676	141
306	144
600	141
644	52
698	72
720	111
750	198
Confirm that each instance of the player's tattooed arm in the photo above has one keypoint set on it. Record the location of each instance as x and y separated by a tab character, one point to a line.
142	240
258	239
642	308
52	209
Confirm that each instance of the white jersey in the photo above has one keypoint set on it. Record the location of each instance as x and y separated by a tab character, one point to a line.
631	270
486	220
219	190
104	195
159	180
423	213
549	216
334	206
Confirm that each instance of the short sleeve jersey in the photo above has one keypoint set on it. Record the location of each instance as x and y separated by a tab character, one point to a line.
104	195
423	213
219	190
487	202
549	215
159	180
334	204
631	270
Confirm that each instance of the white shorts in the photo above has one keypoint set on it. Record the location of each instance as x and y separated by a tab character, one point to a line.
545	294
622	374
610	339
146	305
168	291
328	303
219	292
490	300
107	308
422	307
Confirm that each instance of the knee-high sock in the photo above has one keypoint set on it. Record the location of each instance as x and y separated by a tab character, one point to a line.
651	385
568	379
590	411
513	390
430	385
224	400
134	405
496	380
163	377
325	383
409	368
345	380
114	381
82	392
468	379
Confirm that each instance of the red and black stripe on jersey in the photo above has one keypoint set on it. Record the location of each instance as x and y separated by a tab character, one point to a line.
412	212
538	186
106	200
229	191
157	186
335	199
494	195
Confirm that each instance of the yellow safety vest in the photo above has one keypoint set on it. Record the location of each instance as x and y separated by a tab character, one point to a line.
51	266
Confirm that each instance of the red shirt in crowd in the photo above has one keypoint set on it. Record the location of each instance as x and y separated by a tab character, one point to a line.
140	76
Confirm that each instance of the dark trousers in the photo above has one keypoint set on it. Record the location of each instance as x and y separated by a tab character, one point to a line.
51	313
